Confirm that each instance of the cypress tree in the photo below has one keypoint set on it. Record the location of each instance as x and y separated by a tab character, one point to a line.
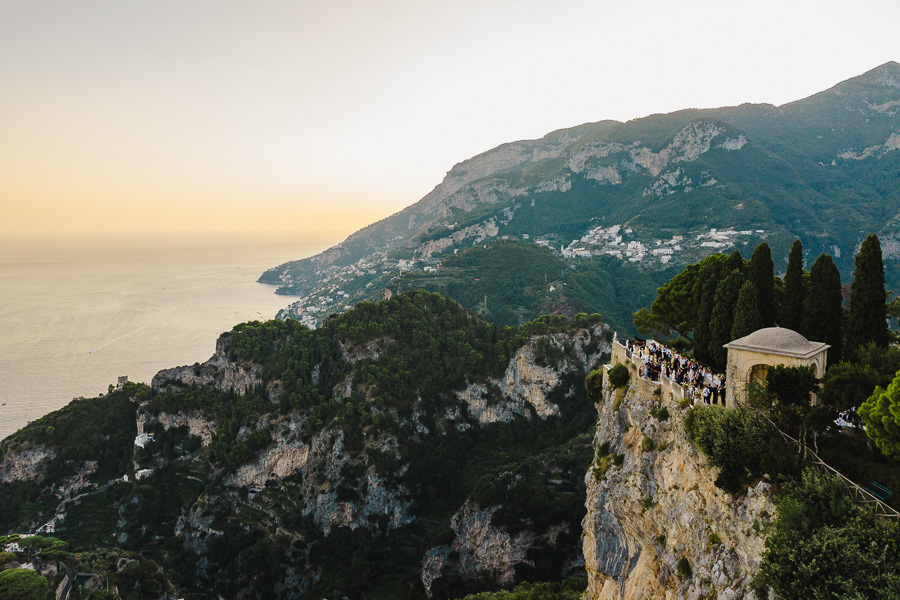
723	317
868	314
734	261
705	304
747	317
823	316
762	274
704	297
794	294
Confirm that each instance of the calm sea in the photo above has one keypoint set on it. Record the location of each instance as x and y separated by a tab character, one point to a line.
74	315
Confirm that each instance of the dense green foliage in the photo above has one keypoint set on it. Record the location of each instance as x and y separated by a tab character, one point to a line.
761	273
881	414
674	310
96	429
741	443
885	360
791	315
429	346
23	584
618	376
868	315
704	297
847	385
593	385
787	398
567	589
822	546
722	318
823	315
508	282
377	384
747	317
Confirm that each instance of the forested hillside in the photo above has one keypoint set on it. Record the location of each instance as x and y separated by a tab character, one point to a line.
376	456
624	206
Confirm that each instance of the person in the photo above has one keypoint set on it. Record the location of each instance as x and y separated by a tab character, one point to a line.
706	394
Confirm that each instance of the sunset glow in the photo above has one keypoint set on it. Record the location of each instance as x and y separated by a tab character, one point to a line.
317	119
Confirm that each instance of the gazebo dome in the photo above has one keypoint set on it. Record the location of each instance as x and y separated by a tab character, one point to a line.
778	339
752	354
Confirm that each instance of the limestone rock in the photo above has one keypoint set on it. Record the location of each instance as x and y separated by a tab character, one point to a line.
661	505
220	371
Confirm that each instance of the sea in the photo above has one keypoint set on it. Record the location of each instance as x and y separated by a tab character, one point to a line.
77	313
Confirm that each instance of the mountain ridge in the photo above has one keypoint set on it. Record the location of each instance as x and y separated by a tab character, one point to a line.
822	169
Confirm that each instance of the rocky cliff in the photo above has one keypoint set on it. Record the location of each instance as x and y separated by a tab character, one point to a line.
405	449
656	526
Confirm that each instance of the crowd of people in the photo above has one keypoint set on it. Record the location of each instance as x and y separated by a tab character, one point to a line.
699	383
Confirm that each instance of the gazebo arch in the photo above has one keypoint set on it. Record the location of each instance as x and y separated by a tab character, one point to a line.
753	354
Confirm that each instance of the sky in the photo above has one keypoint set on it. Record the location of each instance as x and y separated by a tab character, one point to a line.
308	120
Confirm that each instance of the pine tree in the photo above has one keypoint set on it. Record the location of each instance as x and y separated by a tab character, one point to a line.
868	314
746	312
823	316
762	274
723	317
794	292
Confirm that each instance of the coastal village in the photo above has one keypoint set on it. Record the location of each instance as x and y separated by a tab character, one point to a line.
341	287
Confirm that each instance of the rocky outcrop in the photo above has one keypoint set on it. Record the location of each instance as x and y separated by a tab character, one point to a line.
22	465
276	462
659	508
78	482
197	424
526	384
220	372
479	550
878	150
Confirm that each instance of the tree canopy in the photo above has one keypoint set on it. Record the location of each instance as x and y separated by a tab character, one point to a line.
881	414
22	584
722	317
822	546
868	312
794	290
747	317
762	274
823	316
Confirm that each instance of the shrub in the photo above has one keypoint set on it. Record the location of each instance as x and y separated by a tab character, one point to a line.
618	376
660	414
593	385
739	442
684	568
822	546
647	444
603	449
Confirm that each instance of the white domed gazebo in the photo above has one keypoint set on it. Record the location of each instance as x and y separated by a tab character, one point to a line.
750	357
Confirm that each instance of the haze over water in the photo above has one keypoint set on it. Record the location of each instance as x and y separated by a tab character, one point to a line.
74	315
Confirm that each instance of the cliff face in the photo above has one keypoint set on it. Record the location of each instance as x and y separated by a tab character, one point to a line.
219	372
658	512
430	455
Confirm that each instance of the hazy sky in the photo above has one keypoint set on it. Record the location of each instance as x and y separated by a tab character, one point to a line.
315	118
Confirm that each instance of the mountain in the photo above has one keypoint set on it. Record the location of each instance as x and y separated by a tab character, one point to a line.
405	449
617	208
